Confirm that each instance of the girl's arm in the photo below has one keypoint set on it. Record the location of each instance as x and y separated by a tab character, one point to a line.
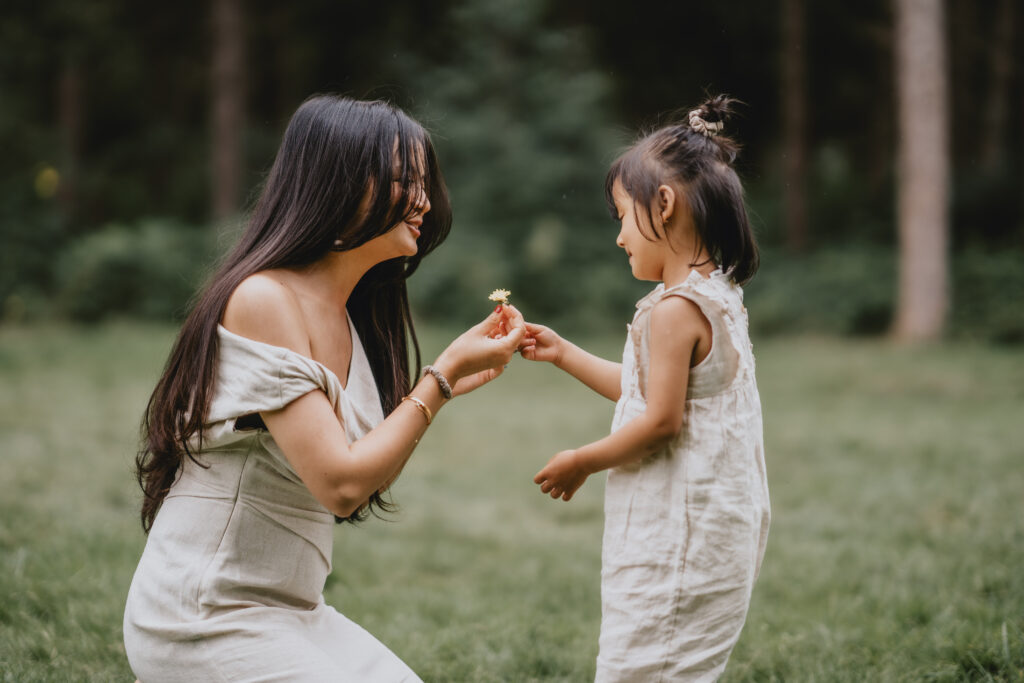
343	476
677	325
543	344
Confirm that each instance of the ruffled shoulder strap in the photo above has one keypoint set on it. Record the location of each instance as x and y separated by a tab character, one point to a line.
710	293
254	377
721	303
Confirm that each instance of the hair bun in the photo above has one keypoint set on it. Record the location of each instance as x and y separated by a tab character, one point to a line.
709	118
705	128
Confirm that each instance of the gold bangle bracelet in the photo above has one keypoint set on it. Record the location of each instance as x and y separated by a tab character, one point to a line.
422	406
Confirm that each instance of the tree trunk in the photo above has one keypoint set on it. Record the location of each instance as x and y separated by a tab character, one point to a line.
794	124
69	117
227	107
997	110
923	211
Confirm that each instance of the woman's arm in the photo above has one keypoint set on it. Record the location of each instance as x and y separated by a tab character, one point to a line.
543	344
342	477
677	325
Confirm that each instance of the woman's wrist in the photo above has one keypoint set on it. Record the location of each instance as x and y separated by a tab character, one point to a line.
447	369
442	380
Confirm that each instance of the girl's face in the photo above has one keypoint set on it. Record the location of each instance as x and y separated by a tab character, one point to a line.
646	257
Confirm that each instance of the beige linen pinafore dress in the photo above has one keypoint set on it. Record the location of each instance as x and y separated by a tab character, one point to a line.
229	585
685	528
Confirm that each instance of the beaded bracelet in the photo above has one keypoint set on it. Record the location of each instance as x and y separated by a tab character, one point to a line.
442	381
422	406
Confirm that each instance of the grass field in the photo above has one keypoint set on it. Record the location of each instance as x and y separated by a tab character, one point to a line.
896	551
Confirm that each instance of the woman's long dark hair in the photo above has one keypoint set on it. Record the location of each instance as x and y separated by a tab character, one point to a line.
701	163
336	152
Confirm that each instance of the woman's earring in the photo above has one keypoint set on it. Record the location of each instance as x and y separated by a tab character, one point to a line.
337	244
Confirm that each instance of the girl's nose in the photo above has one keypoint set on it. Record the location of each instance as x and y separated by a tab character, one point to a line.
619	241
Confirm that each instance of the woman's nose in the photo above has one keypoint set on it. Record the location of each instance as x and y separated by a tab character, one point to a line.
422	204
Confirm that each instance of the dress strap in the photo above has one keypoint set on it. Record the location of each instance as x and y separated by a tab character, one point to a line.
720	300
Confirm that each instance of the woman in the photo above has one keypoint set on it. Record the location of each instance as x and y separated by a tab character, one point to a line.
269	420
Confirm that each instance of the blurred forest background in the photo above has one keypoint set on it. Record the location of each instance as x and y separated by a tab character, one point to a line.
135	136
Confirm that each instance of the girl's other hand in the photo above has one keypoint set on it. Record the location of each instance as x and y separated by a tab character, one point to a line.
562	476
541	344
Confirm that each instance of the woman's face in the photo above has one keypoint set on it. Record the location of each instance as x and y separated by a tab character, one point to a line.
400	239
403	235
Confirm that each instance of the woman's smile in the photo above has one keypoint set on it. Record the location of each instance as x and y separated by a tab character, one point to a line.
414	225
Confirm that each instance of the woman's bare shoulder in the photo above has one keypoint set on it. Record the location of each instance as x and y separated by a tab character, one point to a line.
264	308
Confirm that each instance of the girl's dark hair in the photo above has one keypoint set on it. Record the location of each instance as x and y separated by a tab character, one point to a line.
692	155
335	152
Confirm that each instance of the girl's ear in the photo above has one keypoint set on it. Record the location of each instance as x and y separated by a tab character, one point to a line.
666	202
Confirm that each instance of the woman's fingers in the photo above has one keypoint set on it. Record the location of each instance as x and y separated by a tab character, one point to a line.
515	319
490	323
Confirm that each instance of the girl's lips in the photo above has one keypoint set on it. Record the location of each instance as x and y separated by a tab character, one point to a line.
415	229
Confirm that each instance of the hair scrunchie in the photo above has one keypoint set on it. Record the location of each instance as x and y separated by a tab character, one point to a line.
705	128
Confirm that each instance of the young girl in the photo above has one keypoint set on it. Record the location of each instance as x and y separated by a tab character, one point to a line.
686	501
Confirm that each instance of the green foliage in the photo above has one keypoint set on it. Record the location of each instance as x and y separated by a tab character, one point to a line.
852	291
831	291
31	244
988	295
520	117
149	271
894	552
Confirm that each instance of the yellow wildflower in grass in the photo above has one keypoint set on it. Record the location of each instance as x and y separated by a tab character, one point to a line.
501	295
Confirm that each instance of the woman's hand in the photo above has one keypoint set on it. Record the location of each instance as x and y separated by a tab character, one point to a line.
475	381
562	476
541	344
480	354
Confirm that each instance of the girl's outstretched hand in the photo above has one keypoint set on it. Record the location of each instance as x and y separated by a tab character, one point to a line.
541	344
562	476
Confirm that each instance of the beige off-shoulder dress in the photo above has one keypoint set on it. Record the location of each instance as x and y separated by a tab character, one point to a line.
685	528
229	587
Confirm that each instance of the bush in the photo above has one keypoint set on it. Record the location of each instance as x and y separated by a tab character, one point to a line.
848	291
146	271
988	296
852	291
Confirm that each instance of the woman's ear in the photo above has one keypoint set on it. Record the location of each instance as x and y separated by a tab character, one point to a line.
666	203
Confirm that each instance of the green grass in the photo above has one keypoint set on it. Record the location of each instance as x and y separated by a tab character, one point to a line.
896	550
